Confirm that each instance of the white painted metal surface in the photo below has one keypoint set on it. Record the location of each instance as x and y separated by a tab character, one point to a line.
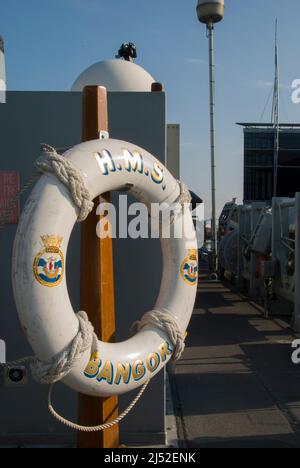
115	75
46	313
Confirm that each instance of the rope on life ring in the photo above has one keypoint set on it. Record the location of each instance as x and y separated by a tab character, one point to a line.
86	170
61	365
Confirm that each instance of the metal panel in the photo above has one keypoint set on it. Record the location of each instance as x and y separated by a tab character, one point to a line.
25	121
248	264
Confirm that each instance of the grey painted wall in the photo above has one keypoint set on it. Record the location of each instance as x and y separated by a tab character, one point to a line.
139	119
173	149
28	119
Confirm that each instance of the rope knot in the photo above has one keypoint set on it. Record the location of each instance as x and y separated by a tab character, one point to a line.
61	365
166	323
184	198
69	175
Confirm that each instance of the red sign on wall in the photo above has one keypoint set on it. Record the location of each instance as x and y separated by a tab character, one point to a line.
9	187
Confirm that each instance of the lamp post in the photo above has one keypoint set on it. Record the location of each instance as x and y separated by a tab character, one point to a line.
211	12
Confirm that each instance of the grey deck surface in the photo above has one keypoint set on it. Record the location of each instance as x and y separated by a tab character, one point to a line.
236	385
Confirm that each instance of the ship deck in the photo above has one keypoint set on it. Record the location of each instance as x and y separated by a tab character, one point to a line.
236	385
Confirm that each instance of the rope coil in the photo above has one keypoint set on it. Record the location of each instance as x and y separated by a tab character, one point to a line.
61	365
101	427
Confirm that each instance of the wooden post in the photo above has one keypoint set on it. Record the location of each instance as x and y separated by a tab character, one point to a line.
97	285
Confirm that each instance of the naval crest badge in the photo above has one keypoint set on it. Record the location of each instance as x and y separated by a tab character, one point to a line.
189	268
48	266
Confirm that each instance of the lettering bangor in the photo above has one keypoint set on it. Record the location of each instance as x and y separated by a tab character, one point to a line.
131	161
126	372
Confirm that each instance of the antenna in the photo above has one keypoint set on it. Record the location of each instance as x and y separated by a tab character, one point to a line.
275	113
127	51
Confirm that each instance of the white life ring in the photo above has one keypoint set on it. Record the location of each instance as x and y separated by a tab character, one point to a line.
39	277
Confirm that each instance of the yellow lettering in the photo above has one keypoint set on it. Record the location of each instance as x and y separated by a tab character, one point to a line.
164	351
157	174
138	370
92	369
123	372
106	373
153	361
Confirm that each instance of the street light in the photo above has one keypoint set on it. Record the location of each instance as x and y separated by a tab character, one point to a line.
211	12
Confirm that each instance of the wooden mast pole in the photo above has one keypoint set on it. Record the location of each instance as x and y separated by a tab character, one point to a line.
97	284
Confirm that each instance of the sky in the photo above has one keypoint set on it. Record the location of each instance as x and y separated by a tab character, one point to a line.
50	42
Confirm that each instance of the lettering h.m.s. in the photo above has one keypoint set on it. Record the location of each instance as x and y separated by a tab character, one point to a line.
130	161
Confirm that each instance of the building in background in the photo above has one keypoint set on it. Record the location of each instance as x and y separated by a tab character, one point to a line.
259	153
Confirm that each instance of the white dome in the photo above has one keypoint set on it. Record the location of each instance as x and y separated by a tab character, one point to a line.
115	75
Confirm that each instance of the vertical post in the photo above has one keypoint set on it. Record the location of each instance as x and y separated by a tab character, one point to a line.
275	115
210	29
97	284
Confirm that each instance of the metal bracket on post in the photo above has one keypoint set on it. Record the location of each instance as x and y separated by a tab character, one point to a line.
103	135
